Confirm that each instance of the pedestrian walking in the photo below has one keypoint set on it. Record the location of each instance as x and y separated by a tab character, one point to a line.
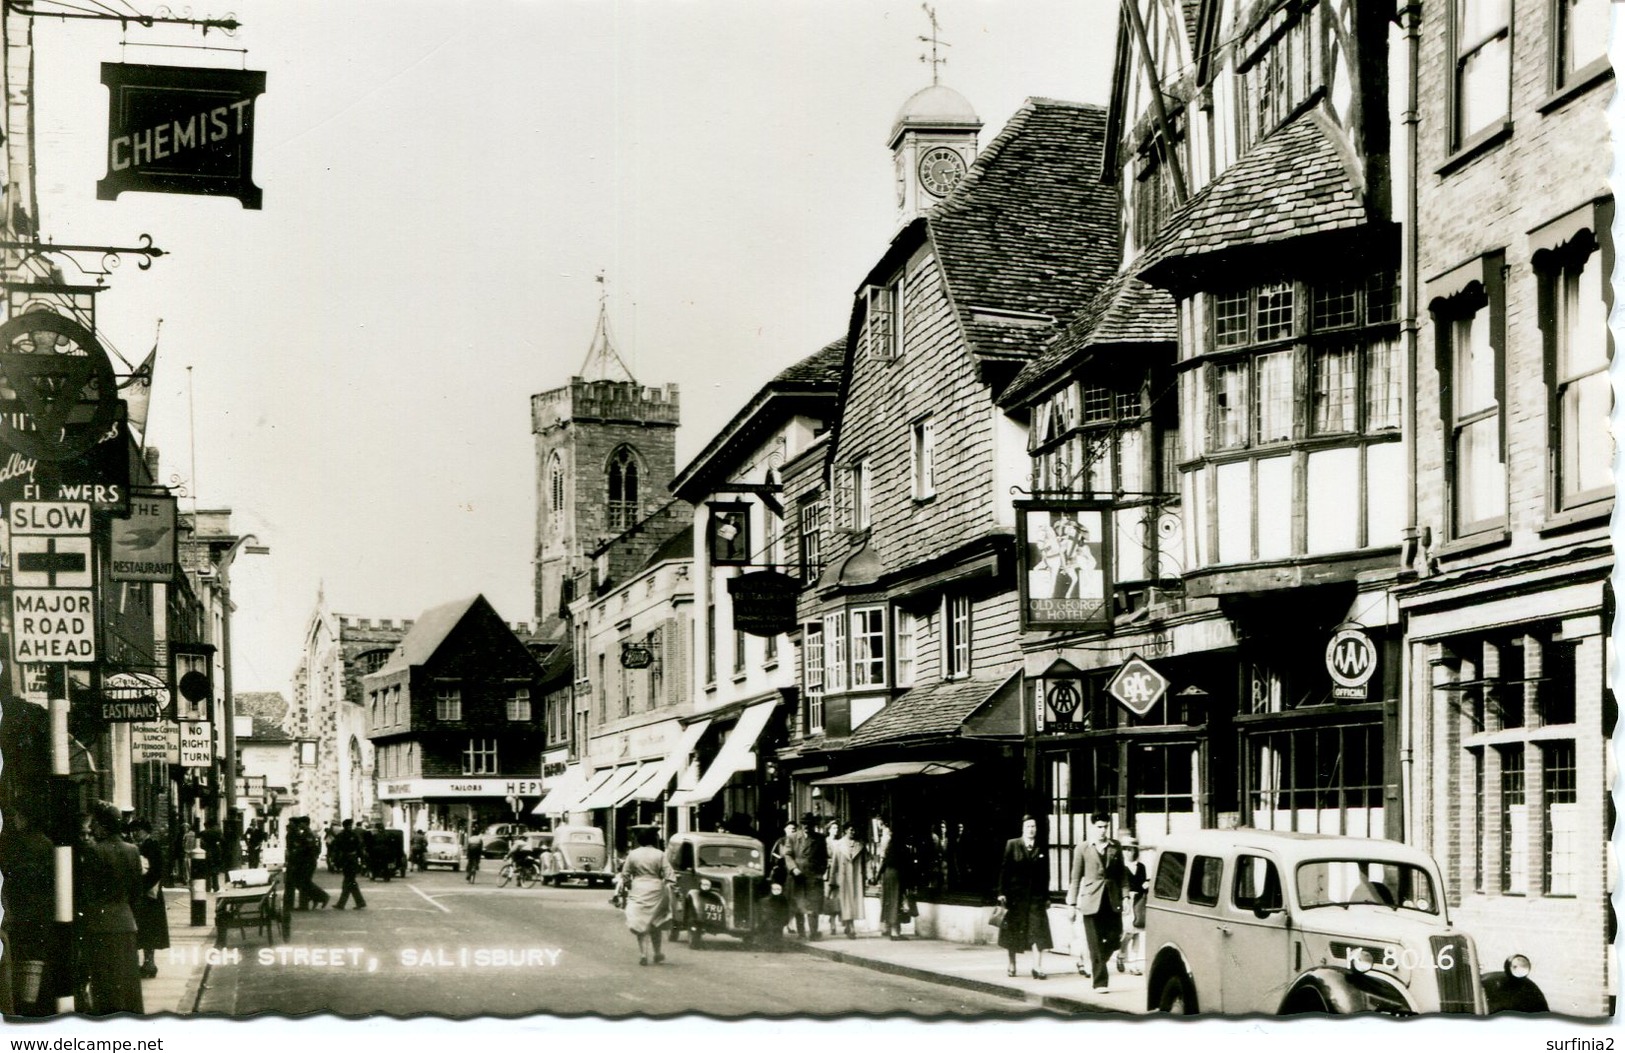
36	961
832	906
188	846
303	849
106	877
420	850
151	913
845	882
893	882
816	869
1096	896
213	852
347	849
473	850
255	841
1131	950
1024	895
645	882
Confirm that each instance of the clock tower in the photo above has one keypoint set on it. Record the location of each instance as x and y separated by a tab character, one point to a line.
933	143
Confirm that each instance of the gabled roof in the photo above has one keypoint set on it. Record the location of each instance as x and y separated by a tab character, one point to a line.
1297	182
265	733
1126	311
679	546
817	375
1030	228
933	710
428	633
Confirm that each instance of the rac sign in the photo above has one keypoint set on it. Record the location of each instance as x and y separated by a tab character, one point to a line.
1138	686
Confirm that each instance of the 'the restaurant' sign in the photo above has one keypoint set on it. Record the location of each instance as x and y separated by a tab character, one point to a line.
181	130
764	602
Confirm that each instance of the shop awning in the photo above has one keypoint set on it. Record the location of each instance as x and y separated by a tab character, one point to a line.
653	787
734	756
558	800
607	794
895	770
646	774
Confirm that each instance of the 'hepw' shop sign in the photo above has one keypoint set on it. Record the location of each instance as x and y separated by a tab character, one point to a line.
181	130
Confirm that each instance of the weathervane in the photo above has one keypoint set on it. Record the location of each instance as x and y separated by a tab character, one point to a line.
935	41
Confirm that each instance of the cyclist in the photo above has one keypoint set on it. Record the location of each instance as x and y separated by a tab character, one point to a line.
522	857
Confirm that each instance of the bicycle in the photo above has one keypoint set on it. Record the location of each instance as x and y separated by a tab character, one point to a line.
524	876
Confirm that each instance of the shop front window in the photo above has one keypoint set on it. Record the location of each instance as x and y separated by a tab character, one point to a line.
1324	780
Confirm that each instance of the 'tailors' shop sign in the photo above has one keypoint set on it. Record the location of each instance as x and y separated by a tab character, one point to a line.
181	130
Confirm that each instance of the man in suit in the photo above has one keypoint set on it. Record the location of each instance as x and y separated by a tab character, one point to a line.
1096	895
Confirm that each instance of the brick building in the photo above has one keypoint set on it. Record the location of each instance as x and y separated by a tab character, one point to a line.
456	722
745	682
1506	623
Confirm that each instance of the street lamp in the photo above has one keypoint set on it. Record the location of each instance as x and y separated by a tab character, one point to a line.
222	561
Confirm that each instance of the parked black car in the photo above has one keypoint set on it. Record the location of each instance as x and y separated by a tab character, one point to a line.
723	889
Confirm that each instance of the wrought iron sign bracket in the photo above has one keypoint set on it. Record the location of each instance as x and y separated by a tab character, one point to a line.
110	254
164	17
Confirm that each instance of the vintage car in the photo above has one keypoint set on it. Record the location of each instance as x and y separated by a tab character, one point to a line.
497	839
1252	921
723	889
445	849
578	854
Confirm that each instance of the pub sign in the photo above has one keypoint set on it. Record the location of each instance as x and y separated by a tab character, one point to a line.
728	533
1065	559
181	130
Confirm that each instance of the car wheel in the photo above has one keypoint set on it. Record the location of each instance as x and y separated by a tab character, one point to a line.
1176	997
455	867
1306	1000
695	936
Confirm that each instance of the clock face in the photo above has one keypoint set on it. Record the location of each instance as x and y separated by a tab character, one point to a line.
940	170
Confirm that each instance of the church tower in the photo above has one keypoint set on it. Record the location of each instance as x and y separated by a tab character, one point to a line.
933	140
605	450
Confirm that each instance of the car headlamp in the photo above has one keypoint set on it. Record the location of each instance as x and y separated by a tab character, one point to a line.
1519	966
705	884
1361	960
777	889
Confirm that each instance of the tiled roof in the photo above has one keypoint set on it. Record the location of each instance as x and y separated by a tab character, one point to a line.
1294	183
267	731
268	704
428	633
1031	227
818	373
936	709
1126	311
679	546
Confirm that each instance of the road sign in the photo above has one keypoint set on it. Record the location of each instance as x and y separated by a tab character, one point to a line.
195	745
50	562
1138	686
53	626
49	517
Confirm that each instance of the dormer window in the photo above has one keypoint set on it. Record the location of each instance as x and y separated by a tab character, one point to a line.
885	320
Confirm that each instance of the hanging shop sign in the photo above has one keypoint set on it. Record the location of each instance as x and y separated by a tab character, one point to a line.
59	397
1137	686
100	476
1351	660
764	602
1065	565
144	544
636	656
133	697
727	533
181	130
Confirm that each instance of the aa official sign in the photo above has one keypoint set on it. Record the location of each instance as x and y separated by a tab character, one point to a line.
181	130
1351	661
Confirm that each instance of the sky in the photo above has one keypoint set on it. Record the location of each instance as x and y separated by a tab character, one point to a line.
349	368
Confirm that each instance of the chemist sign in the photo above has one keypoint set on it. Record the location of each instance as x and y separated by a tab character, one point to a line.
181	130
56	626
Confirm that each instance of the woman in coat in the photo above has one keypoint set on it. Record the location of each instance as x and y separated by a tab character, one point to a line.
646	878
893	882
1024	893
107	876
151	915
844	885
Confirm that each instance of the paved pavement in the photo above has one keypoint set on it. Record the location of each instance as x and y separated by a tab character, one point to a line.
981	967
180	969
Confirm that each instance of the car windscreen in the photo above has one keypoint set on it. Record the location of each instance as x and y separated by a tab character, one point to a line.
1350	882
742	857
